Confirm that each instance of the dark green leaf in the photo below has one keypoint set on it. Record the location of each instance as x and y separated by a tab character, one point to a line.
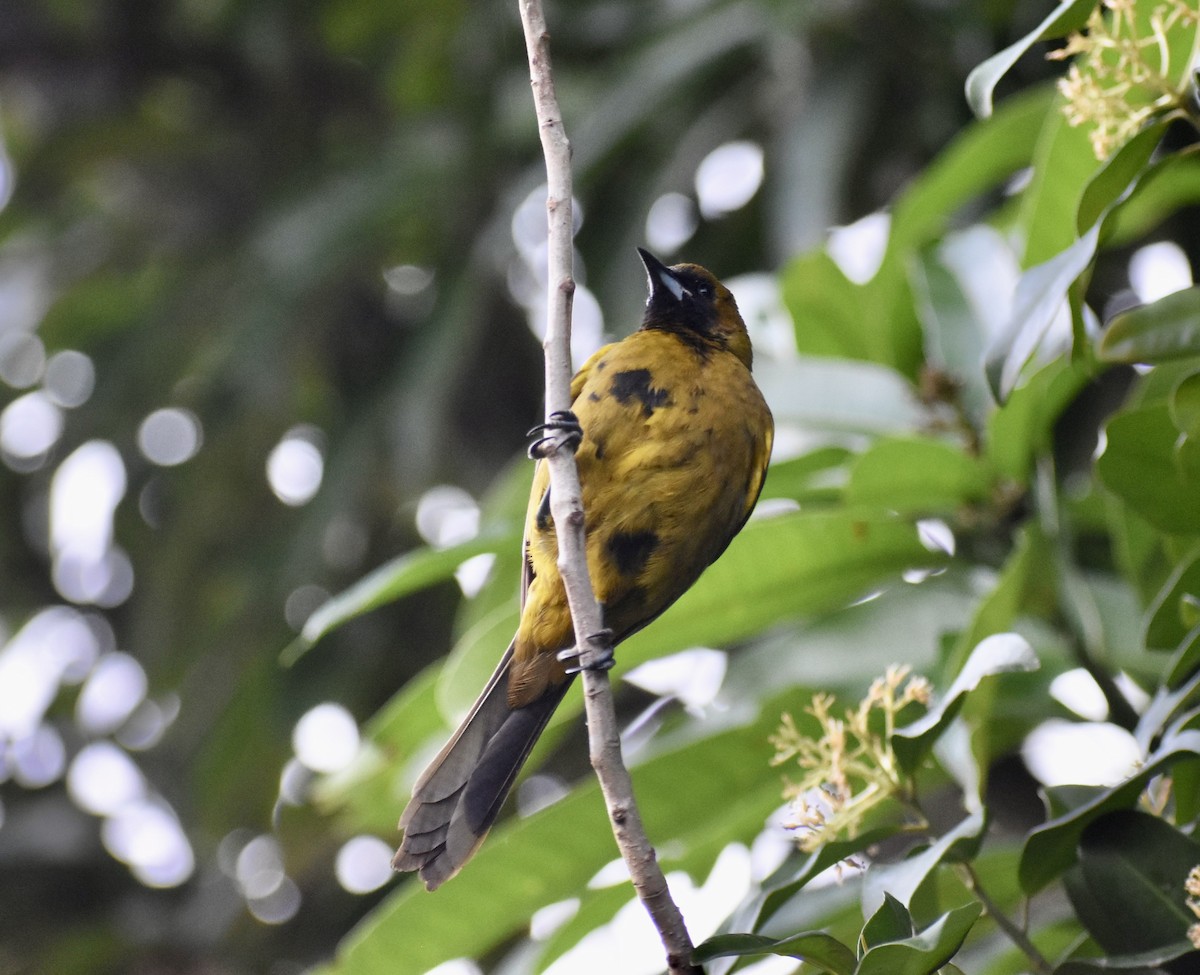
1184	405
1166	625
815	947
926	952
889	921
789	880
1051	848
1117	175
1163	330
1129	888
899	882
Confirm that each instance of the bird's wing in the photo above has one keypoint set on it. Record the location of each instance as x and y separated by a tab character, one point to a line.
539	495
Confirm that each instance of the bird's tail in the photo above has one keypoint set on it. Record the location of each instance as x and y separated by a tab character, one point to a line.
456	799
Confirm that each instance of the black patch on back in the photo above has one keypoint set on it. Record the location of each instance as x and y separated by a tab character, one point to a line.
635	384
631	550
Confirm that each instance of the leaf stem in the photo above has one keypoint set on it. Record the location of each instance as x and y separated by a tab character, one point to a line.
1037	961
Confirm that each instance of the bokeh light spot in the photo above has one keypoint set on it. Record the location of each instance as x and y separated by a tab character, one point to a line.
22	358
70	378
363	864
146	835
326	738
103	778
111	694
1159	269
29	426
728	177
170	436
279	906
671	222
446	516
40	758
295	468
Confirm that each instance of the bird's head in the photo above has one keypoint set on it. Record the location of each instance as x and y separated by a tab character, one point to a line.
688	300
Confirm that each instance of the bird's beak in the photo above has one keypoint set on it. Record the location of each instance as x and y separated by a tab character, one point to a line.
660	278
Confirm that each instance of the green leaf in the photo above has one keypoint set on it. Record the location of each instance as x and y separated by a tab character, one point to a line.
923	953
916	477
1184	404
814	947
1166	621
409	573
1170	184
1068	16
804	477
1118	173
1158	332
825	306
1128	889
1040	295
569	842
979	158
1138	465
1051	848
1186	658
789	880
1020	429
886	882
1015	592
778	568
997	654
1140	963
889	920
1161	709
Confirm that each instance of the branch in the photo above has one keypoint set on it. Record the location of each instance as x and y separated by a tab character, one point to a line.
566	507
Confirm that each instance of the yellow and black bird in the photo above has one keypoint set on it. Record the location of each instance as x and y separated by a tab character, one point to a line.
673	438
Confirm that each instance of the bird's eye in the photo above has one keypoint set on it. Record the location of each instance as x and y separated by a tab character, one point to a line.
704	291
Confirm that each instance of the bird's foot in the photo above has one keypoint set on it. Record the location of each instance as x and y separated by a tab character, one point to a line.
564	429
600	642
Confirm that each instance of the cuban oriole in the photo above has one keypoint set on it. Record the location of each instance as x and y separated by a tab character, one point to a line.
674	448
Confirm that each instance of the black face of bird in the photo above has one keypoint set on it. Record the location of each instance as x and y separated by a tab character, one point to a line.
681	295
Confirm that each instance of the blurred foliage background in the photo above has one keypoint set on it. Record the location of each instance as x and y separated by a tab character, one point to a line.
267	274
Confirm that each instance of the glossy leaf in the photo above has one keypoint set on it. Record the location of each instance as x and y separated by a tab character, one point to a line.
1068	16
1041	294
815	947
887	920
1163	330
997	654
925	952
1051	848
1166	622
886	882
1129	887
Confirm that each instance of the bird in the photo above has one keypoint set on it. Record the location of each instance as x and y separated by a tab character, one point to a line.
672	437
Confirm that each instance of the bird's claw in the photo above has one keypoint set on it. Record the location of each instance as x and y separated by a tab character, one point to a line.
602	642
564	429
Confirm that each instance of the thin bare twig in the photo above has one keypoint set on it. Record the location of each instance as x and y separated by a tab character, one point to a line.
566	507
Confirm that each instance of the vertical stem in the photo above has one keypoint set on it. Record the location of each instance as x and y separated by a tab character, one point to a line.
566	507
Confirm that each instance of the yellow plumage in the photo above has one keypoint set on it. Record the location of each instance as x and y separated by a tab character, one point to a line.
676	439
